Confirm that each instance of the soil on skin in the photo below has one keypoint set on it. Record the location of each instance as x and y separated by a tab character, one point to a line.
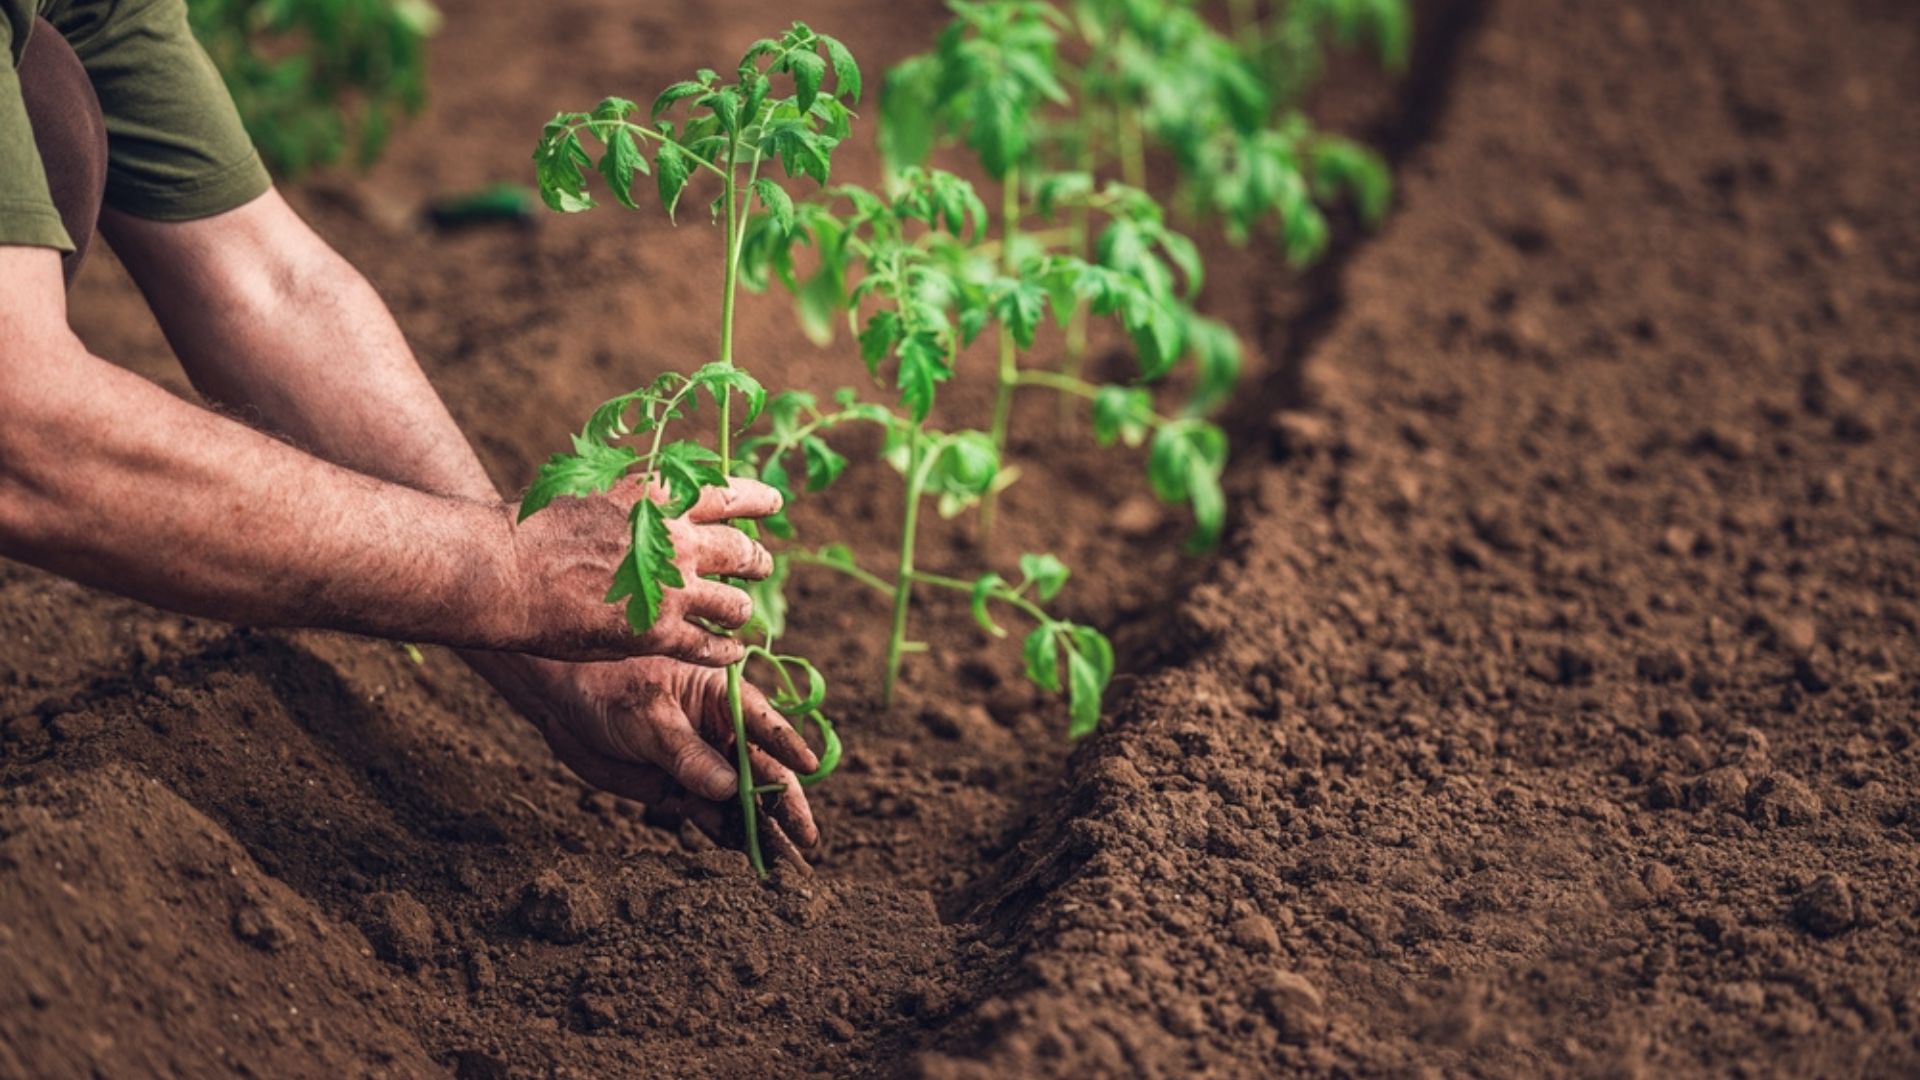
1550	709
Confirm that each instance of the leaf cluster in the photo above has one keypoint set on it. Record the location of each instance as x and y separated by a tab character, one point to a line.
313	79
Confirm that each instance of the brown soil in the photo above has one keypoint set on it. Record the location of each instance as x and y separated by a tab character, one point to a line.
1550	710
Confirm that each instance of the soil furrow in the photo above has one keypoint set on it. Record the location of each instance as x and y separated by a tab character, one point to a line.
1555	710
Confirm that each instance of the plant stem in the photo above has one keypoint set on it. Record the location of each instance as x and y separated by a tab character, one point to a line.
917	470
873	581
1009	365
743	760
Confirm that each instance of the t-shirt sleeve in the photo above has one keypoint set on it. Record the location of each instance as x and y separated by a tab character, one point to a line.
176	149
27	215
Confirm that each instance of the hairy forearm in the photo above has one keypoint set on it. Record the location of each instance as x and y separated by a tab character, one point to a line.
107	479
276	326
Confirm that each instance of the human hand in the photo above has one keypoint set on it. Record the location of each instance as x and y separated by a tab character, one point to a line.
660	731
565	557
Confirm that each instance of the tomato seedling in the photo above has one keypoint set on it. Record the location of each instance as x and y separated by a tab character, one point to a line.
904	261
990	83
730	130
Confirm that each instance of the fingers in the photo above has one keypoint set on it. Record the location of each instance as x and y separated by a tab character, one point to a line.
725	551
682	640
741	498
681	751
773	733
706	816
719	603
789	807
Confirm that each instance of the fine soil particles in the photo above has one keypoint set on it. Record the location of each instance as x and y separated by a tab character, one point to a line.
1550	708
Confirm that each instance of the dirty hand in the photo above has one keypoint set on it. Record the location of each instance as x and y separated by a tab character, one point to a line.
564	557
659	731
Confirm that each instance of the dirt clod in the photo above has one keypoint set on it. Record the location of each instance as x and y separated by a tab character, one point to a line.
553	908
1826	906
399	928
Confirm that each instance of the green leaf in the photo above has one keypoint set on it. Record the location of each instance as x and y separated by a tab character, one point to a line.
720	379
883	330
824	464
1184	465
1121	413
614	110
725	106
774	475
1089	670
770	599
620	162
591	469
967	464
846	73
923	365
908	99
686	467
648	570
1020	305
559	162
818	305
679	91
1217	356
808	71
1042	654
983	590
1047	574
777	201
673	167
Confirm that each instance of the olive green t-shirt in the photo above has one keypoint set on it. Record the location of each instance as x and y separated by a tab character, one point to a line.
176	150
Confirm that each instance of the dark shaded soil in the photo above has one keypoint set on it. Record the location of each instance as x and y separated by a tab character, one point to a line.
1551	709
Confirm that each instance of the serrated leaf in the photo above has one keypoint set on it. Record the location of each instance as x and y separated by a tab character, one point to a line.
777	201
721	378
648	570
824	464
809	70
559	162
614	109
877	340
686	467
923	366
672	168
620	162
679	91
591	469
1046	573
846	73
1020	305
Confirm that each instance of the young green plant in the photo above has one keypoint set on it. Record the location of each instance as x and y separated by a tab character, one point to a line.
731	130
994	82
902	262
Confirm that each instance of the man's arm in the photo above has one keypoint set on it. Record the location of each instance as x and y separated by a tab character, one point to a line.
107	479
269	321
